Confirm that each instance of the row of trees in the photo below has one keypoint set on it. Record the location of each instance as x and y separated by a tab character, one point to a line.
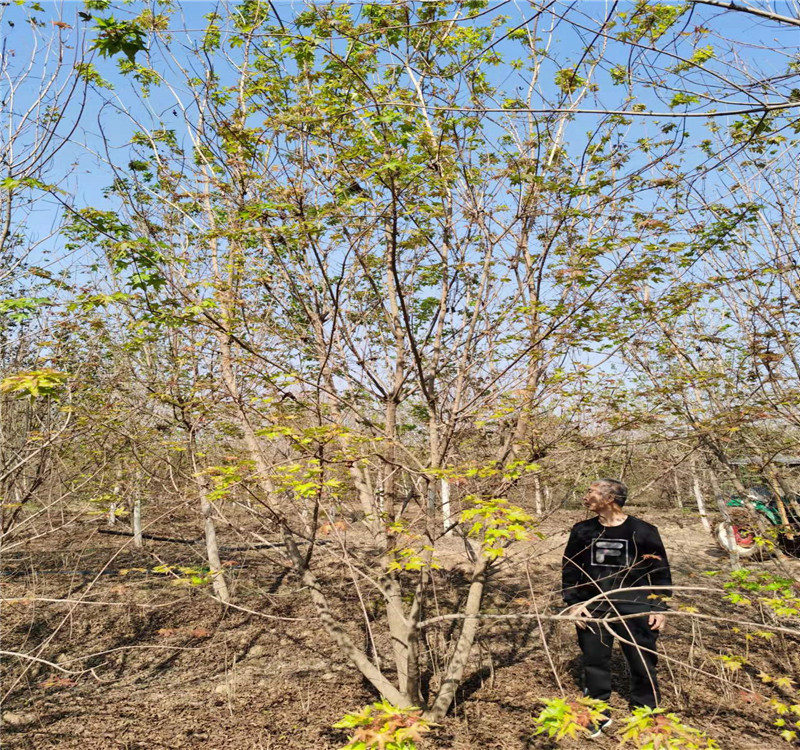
420	269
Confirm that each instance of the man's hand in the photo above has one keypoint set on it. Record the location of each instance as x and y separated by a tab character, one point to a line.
579	610
656	621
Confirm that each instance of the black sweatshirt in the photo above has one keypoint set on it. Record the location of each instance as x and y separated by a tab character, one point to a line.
601	559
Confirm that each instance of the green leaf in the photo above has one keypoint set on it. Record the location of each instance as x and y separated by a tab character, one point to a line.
45	382
22	308
115	37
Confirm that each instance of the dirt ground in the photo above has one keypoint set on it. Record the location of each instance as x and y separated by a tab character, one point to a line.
166	667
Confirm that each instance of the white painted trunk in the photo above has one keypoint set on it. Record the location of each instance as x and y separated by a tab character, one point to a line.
537	495
137	523
112	509
445	490
701	503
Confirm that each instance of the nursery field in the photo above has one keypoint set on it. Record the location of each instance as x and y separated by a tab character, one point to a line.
148	665
318	321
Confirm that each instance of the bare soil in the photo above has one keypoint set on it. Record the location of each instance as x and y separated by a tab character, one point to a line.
150	665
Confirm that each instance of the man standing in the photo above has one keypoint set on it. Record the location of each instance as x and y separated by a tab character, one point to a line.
615	565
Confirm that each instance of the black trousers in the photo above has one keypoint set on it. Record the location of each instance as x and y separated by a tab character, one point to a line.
596	643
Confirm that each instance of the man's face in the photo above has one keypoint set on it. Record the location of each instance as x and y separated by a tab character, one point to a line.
597	499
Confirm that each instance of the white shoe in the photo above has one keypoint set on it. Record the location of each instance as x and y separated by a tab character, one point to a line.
596	729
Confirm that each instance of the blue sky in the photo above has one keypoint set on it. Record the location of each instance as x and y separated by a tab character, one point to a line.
104	130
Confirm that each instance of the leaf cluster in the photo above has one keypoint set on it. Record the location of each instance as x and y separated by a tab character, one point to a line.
36	383
115	37
498	522
655	729
561	718
383	726
776	593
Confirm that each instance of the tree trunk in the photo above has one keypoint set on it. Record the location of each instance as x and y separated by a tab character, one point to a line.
212	549
445	490
404	646
537	495
359	474
366	497
210	530
698	496
395	616
458	662
778	493
137	522
359	659
788	493
430	496
723	509
116	492
677	482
